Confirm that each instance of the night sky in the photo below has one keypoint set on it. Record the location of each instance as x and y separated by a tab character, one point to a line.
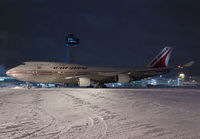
111	32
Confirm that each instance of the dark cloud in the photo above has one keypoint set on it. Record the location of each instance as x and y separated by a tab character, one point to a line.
126	33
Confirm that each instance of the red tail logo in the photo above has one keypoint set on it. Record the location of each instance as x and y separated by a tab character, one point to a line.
162	59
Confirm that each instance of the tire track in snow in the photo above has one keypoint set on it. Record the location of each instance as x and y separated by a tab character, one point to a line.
34	118
38	111
98	123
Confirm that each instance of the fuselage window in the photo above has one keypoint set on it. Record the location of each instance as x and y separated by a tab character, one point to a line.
39	67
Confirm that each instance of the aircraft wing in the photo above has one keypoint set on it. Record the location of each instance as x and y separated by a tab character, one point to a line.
135	74
144	73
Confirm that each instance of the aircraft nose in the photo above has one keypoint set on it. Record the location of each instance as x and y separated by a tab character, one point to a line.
10	72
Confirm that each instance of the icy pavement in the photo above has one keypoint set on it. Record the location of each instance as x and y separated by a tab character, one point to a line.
100	113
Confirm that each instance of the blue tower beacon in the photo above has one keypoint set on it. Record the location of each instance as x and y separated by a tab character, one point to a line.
71	44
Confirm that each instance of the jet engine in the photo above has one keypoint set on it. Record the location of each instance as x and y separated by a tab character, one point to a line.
84	81
123	78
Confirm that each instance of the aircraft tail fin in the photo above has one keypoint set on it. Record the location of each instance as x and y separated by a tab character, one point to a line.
162	59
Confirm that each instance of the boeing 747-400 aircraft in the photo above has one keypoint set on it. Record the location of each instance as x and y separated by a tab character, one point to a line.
54	72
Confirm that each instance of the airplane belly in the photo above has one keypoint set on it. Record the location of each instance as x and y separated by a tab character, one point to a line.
54	78
31	78
23	77
34	77
45	77
48	78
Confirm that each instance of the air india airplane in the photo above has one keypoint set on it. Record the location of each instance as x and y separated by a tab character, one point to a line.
54	72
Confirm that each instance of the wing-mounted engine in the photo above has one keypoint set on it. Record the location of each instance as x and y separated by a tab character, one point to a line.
123	78
83	81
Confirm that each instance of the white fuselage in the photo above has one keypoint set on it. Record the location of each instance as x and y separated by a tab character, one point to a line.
52	72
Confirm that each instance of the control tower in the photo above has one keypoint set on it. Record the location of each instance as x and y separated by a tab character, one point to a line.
71	44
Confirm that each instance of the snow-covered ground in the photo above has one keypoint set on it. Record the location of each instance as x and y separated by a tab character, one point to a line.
99	113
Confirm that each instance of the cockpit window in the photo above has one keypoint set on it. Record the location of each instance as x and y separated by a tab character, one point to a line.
23	63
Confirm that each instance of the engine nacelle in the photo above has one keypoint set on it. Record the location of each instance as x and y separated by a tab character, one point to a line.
84	81
123	78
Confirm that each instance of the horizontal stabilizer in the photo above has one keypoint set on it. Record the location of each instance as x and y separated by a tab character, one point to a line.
189	64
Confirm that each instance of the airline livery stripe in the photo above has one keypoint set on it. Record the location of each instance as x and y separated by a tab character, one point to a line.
53	72
159	57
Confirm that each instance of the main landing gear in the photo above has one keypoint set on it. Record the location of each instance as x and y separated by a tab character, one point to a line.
28	86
